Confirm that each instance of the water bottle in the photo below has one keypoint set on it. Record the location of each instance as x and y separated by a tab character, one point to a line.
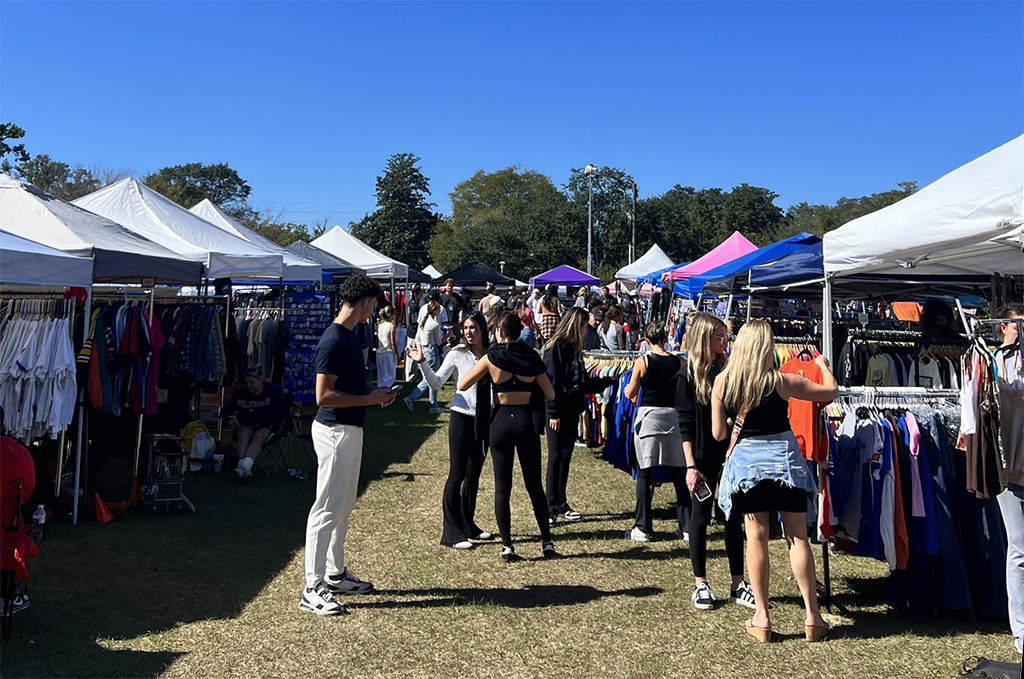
38	519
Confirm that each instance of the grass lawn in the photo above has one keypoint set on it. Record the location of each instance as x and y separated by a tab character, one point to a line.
215	593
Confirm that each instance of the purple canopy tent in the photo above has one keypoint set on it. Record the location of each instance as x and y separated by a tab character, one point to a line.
564	275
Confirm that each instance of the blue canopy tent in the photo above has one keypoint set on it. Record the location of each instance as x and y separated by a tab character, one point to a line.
803	266
730	277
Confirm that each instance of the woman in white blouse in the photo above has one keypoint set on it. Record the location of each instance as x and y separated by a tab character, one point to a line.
467	432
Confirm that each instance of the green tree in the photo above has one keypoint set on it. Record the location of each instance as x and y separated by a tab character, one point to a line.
189	184
57	178
613	201
820	219
10	132
519	217
403	222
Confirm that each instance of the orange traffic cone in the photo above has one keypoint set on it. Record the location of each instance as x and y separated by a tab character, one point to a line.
103	514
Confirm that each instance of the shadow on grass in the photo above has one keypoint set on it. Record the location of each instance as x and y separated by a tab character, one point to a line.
531	596
150	573
643	553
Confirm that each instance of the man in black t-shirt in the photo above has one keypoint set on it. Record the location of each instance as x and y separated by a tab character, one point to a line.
343	394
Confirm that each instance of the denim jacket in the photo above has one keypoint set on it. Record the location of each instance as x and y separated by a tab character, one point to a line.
764	458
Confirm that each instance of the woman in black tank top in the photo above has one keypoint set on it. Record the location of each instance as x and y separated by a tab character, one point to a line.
520	385
765	472
657	436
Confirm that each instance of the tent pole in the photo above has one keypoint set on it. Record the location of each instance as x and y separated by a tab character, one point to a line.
728	307
750	297
826	350
81	417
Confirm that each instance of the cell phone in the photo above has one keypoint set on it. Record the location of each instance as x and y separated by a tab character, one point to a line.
702	492
396	388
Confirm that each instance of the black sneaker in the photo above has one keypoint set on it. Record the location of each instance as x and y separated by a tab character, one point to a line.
320	601
743	595
547	550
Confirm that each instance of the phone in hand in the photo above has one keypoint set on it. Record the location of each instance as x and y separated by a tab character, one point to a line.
702	492
395	388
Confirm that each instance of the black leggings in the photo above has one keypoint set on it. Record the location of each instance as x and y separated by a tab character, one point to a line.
560	447
700	517
645	493
512	431
466	461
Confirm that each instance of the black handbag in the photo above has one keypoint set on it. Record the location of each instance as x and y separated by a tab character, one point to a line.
978	667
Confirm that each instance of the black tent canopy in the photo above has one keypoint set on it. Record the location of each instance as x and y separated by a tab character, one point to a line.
475	275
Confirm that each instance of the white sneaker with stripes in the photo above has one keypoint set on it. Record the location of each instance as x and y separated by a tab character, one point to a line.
346	583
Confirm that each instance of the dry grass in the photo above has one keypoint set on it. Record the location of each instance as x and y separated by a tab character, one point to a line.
215	594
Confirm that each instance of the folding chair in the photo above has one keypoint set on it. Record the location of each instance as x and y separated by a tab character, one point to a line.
309	461
275	450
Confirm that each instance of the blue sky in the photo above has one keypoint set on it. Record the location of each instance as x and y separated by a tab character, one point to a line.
814	100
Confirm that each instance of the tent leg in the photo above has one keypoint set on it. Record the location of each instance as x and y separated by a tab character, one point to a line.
826	320
728	307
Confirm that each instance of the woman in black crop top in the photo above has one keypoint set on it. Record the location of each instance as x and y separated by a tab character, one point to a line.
765	471
521	384
656	436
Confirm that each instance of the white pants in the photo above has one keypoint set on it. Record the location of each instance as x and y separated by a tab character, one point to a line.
386	363
339	454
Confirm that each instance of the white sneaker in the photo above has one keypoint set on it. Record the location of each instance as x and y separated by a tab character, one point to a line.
320	601
484	535
637	535
346	583
240	471
572	515
465	544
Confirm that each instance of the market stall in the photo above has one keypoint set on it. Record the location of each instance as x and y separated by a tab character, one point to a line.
564	275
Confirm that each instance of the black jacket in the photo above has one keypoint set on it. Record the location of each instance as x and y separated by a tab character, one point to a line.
695	420
570	380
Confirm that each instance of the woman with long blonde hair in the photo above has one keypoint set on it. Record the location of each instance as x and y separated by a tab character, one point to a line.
563	357
765	472
706	339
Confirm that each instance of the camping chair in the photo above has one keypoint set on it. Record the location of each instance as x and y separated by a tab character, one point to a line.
275	449
309	461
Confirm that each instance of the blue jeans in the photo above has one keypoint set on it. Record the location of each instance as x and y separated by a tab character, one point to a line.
775	457
1013	519
432	356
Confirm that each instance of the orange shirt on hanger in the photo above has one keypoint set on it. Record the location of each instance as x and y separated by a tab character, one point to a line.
804	416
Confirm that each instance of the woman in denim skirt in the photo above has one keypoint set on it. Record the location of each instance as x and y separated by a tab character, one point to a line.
765	471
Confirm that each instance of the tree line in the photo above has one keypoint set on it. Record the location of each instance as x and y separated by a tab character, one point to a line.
520	217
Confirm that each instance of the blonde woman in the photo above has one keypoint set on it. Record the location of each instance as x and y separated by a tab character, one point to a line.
765	471
563	357
706	339
386	342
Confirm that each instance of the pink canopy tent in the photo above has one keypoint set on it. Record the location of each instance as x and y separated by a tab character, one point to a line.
732	247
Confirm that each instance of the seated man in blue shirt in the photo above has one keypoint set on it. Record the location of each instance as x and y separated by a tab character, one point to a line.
259	410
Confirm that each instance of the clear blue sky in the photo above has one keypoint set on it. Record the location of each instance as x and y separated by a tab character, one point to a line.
814	100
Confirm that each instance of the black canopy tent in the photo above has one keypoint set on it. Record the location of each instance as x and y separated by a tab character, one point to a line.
475	275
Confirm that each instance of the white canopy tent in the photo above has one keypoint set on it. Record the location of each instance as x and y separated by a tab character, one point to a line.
295	268
431	271
25	262
653	260
147	213
966	223
341	243
118	254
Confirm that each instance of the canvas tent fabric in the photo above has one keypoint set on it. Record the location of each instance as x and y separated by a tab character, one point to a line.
337	267
119	255
417	276
475	275
144	211
807	264
25	262
431	271
341	243
654	259
732	276
968	222
564	275
732	247
296	268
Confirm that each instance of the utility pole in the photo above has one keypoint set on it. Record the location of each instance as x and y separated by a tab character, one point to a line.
590	171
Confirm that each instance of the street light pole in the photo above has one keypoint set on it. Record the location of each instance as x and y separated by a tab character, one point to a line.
632	222
589	171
